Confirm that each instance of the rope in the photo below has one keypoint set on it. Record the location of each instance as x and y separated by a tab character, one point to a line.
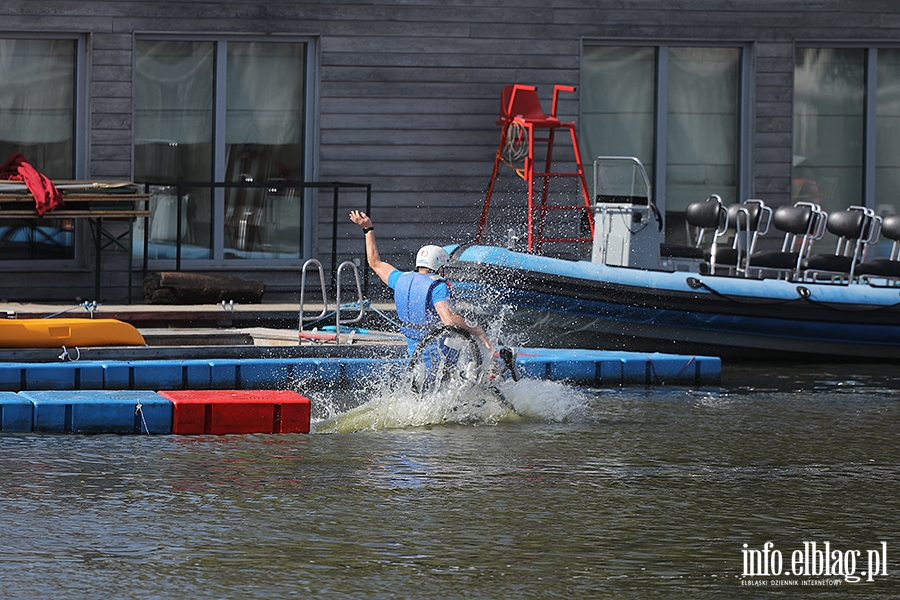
352	306
88	306
515	148
386	318
138	410
803	293
677	375
806	294
696	284
65	354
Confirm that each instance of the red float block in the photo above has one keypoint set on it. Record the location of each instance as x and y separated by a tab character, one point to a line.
238	411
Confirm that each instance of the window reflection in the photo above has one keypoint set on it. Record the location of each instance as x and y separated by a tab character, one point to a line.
702	117
263	143
887	152
37	119
702	125
829	103
181	112
173	125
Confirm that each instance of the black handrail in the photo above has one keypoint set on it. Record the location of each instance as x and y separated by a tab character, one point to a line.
335	186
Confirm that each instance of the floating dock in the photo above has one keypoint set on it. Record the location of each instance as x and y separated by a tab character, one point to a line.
192	380
579	367
233	396
612	368
145	412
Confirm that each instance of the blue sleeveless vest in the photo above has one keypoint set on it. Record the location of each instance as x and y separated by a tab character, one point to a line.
412	298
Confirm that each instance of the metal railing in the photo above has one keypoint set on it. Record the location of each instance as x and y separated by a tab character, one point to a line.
312	262
338	321
181	187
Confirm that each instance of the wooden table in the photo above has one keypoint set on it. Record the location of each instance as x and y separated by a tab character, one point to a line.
84	200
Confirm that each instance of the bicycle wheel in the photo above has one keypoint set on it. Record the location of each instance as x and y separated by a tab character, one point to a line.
440	353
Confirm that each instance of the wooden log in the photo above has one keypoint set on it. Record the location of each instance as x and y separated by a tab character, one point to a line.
177	287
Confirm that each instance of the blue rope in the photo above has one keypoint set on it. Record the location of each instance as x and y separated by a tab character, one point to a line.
386	318
89	306
355	305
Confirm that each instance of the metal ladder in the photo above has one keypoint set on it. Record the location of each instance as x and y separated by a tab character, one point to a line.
338	321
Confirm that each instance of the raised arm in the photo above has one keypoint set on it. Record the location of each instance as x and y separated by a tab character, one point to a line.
381	268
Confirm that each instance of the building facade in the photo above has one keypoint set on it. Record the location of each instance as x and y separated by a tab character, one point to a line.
775	99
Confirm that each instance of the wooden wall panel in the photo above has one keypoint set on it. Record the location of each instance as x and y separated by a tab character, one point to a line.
408	94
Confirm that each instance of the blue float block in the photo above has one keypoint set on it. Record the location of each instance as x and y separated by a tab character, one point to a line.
304	370
578	365
157	375
49	376
15	377
365	370
327	369
666	369
266	374
636	369
196	375
575	370
710	369
532	366
586	366
16	412
100	411
89	376
224	374
117	376
11	375
611	371
361	369
556	363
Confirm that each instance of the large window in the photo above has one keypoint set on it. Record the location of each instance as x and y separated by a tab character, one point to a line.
887	127
702	125
847	127
677	108
222	111
38	120
829	113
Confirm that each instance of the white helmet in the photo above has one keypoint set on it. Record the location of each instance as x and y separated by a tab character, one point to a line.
432	257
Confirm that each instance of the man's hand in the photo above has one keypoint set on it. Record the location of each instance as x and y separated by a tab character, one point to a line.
360	218
381	268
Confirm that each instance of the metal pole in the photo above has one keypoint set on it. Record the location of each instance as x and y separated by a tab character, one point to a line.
178	209
130	256
98	246
334	228
145	262
368	212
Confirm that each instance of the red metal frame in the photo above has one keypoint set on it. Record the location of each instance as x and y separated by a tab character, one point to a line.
520	104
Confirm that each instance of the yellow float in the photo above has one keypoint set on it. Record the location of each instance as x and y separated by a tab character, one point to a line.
56	332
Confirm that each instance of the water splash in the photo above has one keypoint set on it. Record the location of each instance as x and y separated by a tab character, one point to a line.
458	402
475	395
546	401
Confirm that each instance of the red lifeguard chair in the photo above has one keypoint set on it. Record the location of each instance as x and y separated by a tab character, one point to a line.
521	117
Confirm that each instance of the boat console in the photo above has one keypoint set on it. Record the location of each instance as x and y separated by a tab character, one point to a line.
627	225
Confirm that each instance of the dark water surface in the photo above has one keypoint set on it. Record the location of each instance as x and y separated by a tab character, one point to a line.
634	492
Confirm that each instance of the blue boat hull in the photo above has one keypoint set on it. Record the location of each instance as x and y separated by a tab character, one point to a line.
560	303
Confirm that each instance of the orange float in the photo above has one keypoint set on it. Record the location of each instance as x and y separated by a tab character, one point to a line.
68	331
